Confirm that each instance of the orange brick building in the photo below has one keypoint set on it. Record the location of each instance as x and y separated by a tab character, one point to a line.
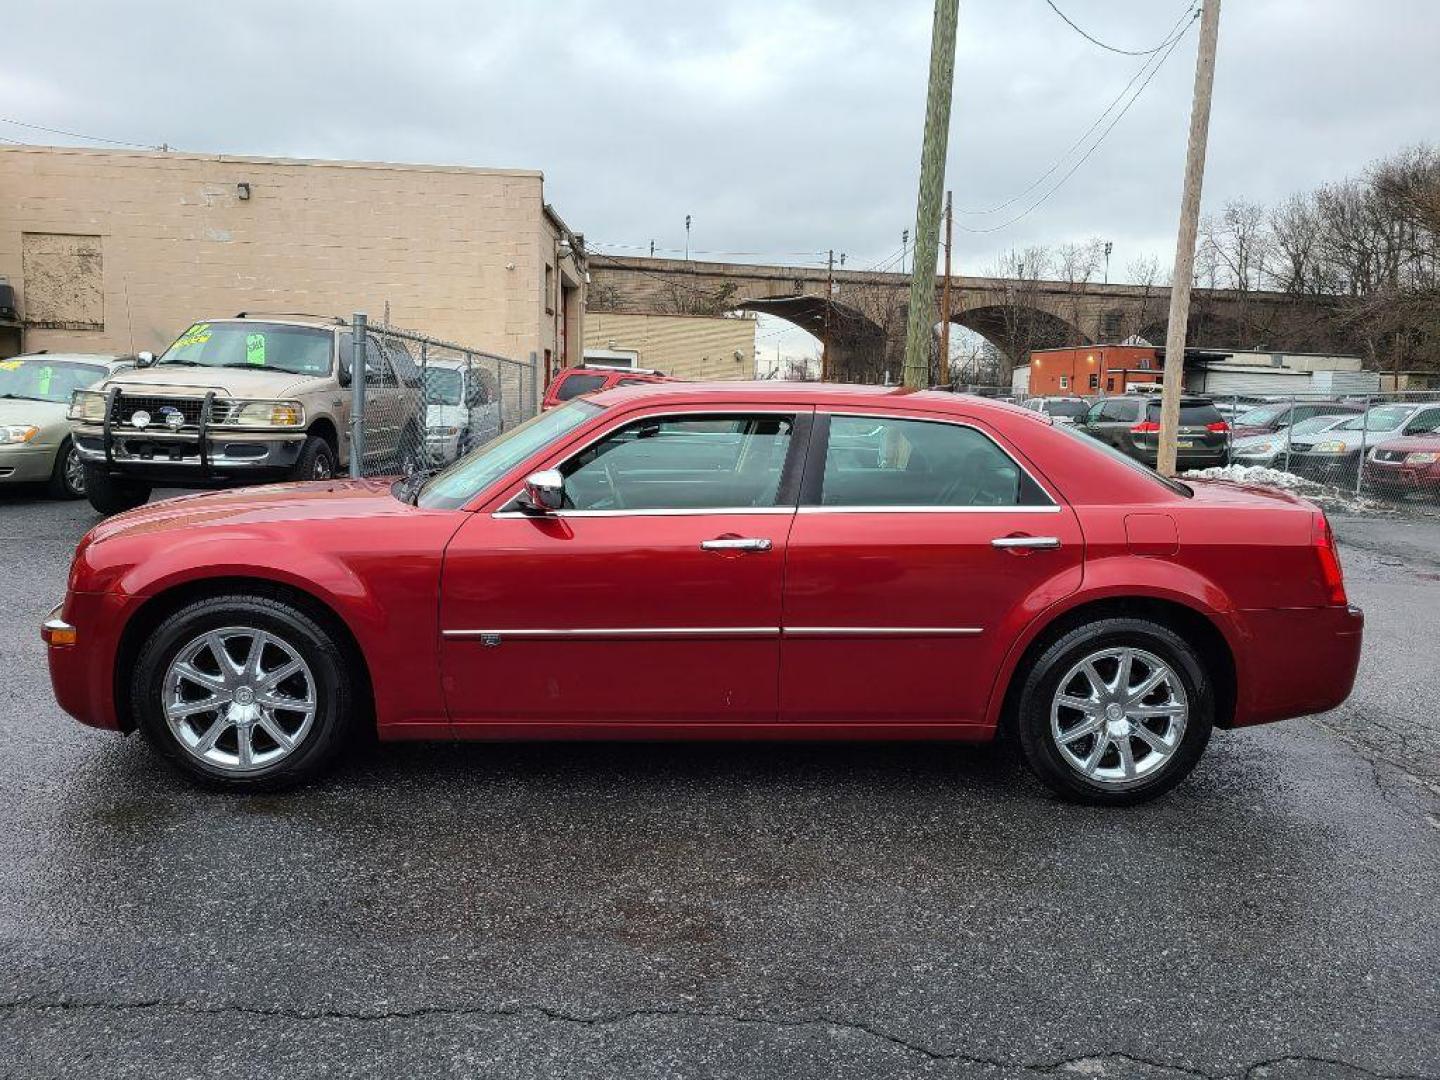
1092	369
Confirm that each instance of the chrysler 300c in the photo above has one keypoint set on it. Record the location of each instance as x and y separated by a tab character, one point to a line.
731	561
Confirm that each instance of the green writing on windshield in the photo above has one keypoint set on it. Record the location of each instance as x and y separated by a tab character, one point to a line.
255	349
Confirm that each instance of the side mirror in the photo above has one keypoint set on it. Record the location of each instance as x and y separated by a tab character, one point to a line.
342	373
544	491
145	359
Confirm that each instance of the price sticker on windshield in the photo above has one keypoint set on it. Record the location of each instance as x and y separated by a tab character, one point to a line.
255	349
10	365
198	334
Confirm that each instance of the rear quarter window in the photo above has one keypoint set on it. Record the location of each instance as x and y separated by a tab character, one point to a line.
575	385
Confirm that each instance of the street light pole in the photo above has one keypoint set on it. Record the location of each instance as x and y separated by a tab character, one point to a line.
687	237
919	330
1185	242
829	296
943	378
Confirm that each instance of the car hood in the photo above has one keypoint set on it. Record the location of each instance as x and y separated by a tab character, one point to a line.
1413	443
40	413
437	415
226	382
267	505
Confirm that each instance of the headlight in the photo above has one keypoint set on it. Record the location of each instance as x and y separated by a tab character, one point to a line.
1255	448
1335	446
89	406
1422	457
283	414
17	434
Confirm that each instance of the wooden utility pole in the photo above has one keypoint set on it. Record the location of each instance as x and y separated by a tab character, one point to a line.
829	300
1185	242
944	379
919	330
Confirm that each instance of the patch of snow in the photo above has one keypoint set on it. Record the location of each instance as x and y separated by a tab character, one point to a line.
1324	495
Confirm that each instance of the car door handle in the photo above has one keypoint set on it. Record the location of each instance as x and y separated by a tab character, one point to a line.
736	543
1026	542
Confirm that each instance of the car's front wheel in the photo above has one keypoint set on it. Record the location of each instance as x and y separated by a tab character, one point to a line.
316	461
67	479
112	495
1116	712
244	692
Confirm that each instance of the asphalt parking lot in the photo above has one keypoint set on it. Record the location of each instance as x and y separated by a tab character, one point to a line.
680	911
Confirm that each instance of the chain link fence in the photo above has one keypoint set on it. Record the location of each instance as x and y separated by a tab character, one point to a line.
1372	451
420	402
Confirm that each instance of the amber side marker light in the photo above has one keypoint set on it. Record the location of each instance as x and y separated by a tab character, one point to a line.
56	632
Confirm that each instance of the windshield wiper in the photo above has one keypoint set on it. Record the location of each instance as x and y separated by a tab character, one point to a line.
23	397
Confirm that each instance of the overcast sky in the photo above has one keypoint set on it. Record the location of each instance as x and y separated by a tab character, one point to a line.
784	129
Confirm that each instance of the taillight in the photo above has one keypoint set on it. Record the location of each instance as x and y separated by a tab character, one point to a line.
1218	425
1145	427
1331	576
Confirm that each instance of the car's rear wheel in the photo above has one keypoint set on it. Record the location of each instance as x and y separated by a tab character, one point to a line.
244	692
67	479
112	495
1116	712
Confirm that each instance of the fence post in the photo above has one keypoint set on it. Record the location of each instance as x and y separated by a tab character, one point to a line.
1289	433
534	384
1364	432
357	394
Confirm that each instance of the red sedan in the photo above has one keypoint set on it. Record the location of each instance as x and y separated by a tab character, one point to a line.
733	561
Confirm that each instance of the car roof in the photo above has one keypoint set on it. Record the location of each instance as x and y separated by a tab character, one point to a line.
800	393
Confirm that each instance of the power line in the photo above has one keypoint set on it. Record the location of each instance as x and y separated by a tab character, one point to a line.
1093	146
77	135
1096	41
1175	32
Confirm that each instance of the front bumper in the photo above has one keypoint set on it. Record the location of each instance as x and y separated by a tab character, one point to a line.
1326	468
1395	478
82	663
25	464
188	455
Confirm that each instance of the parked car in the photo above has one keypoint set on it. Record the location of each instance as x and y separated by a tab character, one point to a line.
1063	410
1272	417
1334	456
1409	465
35	442
461	408
592	378
1131	424
744	561
1268	450
236	401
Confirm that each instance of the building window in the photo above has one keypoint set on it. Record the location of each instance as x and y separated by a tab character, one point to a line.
1144	365
549	289
1110	383
1064	382
1095	381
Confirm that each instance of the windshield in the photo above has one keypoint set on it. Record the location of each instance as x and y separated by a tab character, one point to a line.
1385	418
296	350
1266	414
1130	463
41	379
1066	408
1314	424
443	386
472	474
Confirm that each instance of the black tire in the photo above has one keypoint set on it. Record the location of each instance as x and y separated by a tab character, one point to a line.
112	495
338	695
67	479
1033	719
316	462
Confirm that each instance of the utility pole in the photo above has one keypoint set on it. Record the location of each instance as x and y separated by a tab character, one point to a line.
652	249
1185	242
1108	248
918	331
829	298
904	246
944	373
687	237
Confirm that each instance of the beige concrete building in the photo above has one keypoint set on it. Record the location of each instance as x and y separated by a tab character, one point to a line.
697	347
121	251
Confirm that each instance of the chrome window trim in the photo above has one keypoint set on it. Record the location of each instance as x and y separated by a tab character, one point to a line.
881	631
929	510
793	411
1054	506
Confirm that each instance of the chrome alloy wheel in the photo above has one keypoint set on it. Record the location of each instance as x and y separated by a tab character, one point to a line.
239	699
74	471
1119	716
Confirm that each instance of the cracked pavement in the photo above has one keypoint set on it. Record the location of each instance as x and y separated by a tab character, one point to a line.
664	911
